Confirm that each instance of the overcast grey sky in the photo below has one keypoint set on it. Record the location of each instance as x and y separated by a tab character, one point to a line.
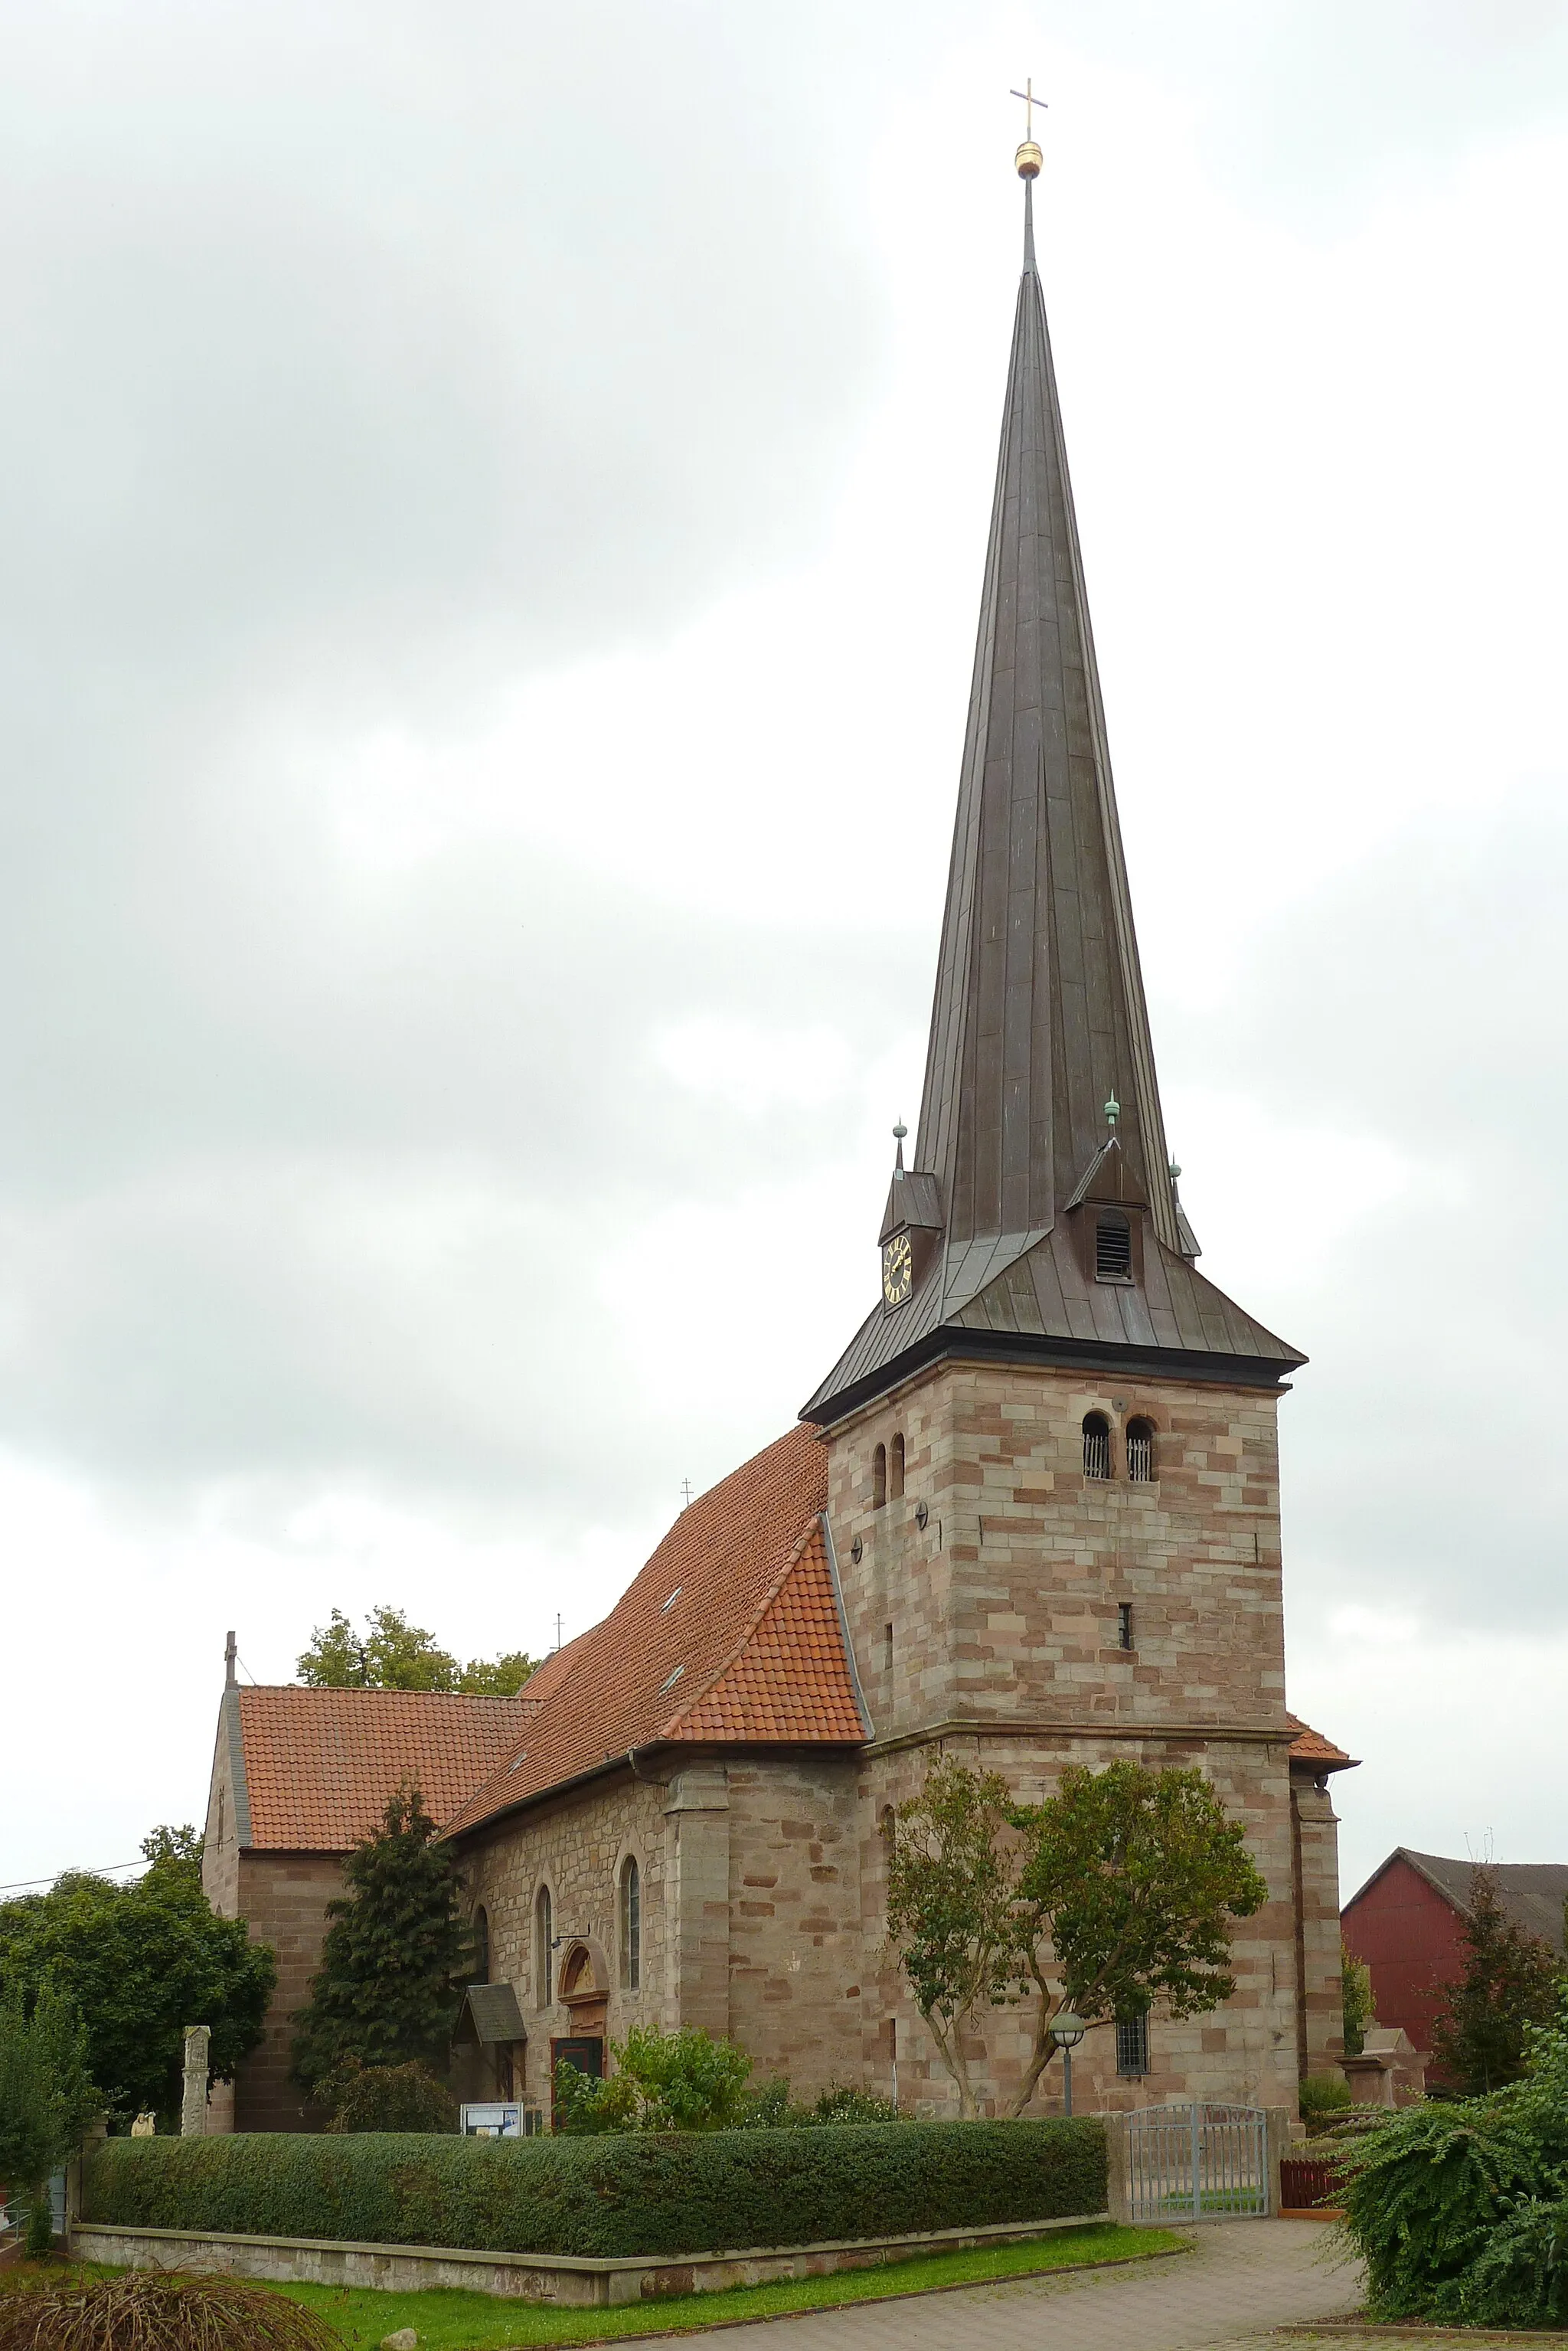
489	545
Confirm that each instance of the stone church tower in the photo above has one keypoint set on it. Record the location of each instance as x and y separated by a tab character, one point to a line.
1053	1479
1031	1519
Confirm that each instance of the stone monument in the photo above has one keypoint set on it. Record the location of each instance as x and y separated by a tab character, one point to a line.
194	2102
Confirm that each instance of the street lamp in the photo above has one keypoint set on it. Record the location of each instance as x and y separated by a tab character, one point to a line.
1067	2031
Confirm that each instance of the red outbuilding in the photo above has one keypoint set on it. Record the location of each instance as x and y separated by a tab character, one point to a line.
1407	1922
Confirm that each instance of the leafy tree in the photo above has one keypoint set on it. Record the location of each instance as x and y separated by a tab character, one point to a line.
1509	1982
1131	1879
952	1908
1355	2000
386	2098
393	1959
46	2097
1118	1891
393	1654
663	2081
501	1677
141	1961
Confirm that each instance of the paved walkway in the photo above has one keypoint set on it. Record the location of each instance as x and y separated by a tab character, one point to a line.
1245	2277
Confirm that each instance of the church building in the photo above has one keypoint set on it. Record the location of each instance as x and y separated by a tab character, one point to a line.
1030	1518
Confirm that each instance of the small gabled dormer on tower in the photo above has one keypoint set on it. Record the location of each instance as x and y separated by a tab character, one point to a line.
910	1230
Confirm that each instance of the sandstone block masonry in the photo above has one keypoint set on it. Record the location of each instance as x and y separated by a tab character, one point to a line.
1006	1606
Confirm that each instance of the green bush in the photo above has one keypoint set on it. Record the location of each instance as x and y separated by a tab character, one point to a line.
1322	2095
638	2193
386	2098
687	2081
772	2108
662	2082
1460	2208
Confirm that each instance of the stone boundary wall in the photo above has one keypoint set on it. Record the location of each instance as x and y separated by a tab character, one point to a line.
562	2278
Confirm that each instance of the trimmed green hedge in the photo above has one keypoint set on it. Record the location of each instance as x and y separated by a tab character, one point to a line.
693	2192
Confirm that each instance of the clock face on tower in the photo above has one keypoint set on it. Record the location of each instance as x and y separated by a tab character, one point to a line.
897	1269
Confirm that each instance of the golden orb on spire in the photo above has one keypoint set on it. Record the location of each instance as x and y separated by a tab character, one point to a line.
1028	159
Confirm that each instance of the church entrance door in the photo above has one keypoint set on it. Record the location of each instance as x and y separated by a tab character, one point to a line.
586	2051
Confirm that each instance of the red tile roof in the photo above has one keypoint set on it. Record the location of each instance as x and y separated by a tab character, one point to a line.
319	1764
729	1633
547	1673
1310	1746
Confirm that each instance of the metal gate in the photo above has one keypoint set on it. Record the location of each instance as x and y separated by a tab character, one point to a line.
1198	2162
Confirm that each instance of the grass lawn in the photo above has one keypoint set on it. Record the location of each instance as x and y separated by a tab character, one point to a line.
450	2320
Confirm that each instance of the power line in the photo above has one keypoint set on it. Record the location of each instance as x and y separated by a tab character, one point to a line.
21	1884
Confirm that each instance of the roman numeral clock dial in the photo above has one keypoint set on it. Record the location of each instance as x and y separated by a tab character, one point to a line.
897	1269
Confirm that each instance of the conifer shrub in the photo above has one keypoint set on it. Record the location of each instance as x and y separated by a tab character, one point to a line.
635	2193
388	1989
386	2098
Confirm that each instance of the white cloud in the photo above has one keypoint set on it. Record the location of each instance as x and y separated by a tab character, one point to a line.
489	578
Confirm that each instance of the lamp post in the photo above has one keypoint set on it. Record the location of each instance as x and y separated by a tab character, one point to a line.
1067	2031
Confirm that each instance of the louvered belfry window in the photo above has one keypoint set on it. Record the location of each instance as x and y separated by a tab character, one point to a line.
1113	1248
1096	1445
1141	1452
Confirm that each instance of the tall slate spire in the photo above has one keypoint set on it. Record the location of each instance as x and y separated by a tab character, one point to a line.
1040	1098
1039	1019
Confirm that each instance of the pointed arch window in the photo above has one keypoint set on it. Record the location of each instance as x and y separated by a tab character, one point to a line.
895	1468
481	1945
1141	1451
1096	1445
1113	1247
879	1479
631	1925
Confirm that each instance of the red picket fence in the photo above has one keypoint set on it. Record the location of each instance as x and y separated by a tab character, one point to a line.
1306	2182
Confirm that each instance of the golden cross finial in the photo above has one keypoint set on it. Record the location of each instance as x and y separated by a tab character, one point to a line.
1029	103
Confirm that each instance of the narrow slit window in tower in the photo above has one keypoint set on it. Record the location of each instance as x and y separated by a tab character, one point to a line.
1113	1247
1096	1445
879	1479
887	1647
1124	1625
895	1468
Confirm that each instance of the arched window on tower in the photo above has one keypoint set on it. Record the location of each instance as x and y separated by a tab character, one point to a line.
1096	1445
879	1479
1141	1451
1113	1247
631	1925
543	1933
481	1946
895	1468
